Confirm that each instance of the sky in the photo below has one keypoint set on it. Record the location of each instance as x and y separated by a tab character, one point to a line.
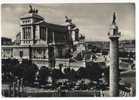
92	19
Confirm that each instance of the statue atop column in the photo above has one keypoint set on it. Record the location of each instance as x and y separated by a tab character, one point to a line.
114	18
70	24
114	36
32	10
73	29
68	20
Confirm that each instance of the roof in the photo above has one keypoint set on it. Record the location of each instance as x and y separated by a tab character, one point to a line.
57	27
40	22
30	15
51	26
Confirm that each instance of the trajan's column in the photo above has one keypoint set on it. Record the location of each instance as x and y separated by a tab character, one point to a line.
114	35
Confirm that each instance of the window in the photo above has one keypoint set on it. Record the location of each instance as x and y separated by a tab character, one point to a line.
43	33
26	21
26	32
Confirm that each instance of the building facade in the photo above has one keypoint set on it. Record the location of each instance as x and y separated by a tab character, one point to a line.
44	43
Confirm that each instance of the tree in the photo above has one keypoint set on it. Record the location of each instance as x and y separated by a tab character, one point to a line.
93	71
81	73
73	75
70	74
44	72
30	73
8	69
26	70
56	74
8	65
106	74
66	72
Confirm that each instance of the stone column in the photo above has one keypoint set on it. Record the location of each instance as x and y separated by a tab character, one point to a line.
21	38
114	67
30	52
114	35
